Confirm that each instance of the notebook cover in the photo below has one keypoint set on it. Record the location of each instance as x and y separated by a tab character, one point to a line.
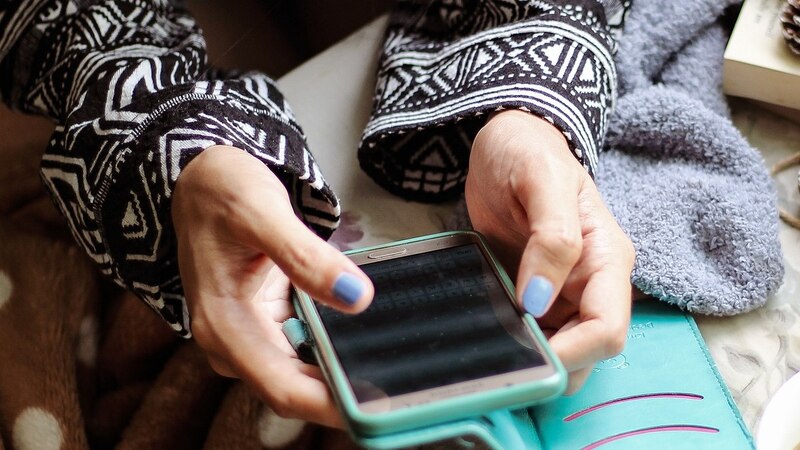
662	392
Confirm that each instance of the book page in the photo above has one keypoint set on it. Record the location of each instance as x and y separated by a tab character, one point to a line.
757	38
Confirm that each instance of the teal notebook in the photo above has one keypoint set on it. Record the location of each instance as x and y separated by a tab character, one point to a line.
662	392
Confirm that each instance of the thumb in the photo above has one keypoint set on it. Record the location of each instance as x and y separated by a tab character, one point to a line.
311	264
316	267
555	241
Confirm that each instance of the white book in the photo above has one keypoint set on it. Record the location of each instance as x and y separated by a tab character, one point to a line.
758	63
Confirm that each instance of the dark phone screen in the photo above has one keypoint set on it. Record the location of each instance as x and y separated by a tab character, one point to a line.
438	318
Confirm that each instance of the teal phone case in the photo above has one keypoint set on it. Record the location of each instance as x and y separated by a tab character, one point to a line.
375	428
662	392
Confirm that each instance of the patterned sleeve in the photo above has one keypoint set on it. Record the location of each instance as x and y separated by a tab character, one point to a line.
127	83
447	63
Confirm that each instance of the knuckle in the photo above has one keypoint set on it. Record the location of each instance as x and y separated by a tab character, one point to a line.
614	342
202	332
560	246
219	368
630	251
302	258
282	406
280	410
626	249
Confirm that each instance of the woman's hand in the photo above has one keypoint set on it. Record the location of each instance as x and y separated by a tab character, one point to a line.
239	246
546	221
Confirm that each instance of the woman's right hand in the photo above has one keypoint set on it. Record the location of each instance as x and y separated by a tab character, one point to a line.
544	217
240	246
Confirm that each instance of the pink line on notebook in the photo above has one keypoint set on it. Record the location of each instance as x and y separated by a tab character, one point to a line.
616	437
678	395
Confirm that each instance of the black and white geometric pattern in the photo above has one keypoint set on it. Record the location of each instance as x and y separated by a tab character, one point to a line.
616	13
442	71
127	83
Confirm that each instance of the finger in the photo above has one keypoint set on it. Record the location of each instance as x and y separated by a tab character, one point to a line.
317	268
555	318
577	379
307	399
247	341
311	397
605	315
292	388
221	367
555	242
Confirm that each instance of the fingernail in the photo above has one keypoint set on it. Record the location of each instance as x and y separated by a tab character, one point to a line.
348	288
537	295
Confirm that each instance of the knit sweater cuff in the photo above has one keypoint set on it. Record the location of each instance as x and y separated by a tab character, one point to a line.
432	96
128	230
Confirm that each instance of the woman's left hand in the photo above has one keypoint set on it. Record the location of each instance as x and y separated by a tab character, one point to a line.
544	218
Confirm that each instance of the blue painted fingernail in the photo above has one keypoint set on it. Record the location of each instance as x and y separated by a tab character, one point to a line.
537	295
348	288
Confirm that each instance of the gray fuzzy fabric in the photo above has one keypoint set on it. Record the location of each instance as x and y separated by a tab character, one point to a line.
692	194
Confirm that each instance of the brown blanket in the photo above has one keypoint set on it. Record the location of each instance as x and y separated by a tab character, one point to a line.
85	365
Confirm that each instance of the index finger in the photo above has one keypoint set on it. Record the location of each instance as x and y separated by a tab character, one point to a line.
605	312
292	388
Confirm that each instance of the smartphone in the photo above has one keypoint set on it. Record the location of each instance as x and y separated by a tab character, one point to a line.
443	339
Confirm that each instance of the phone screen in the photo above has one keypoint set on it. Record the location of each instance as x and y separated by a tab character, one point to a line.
438	319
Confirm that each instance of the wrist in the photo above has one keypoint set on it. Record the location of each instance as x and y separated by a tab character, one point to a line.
223	187
207	186
508	125
515	145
